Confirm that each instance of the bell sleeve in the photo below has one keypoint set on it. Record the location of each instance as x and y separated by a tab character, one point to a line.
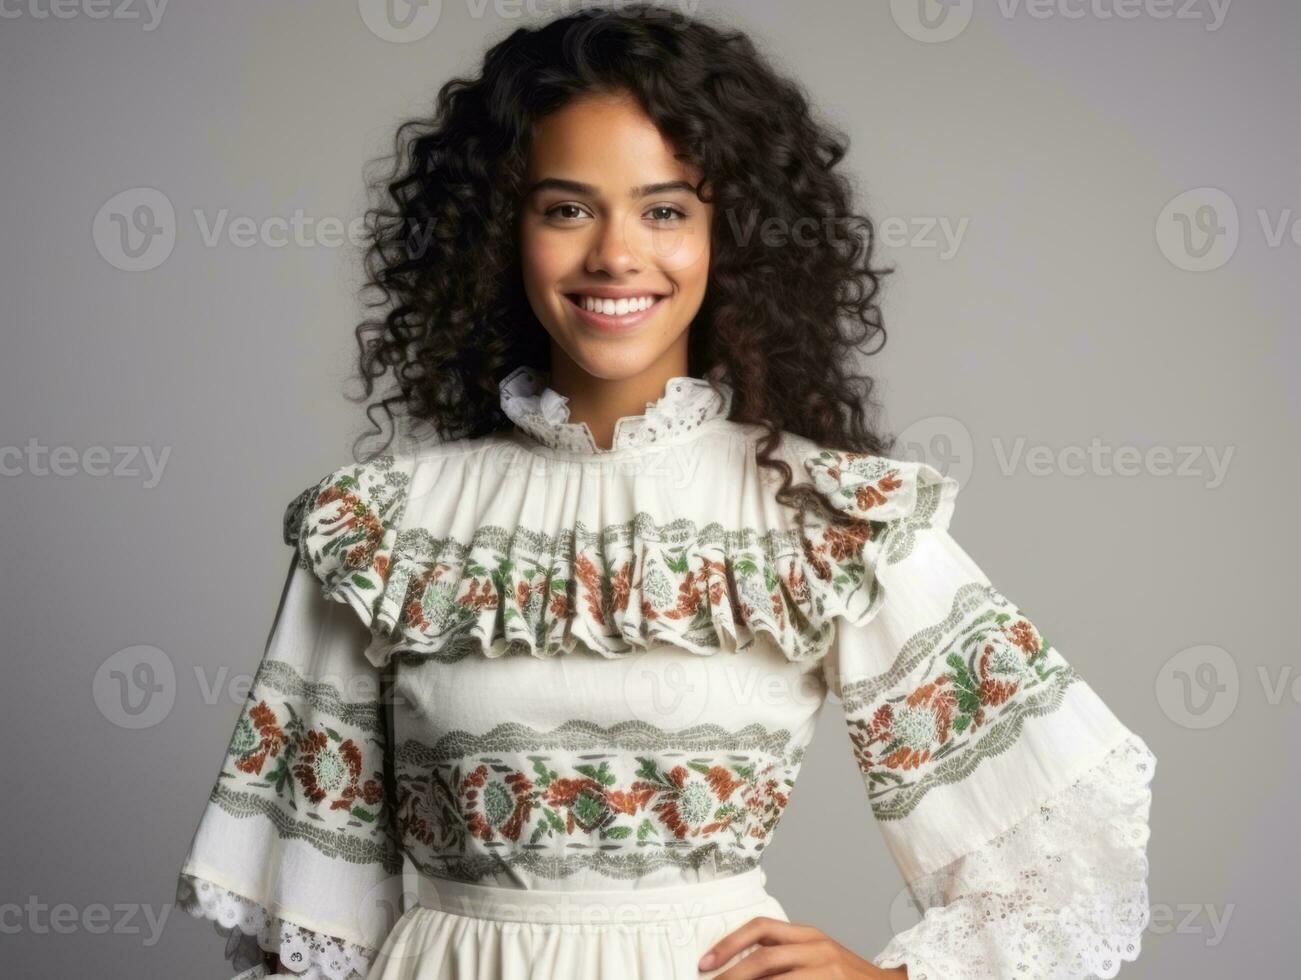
295	852
1013	801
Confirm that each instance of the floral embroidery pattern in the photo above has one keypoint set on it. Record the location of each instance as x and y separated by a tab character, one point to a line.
896	499
466	817
968	703
350	514
615	589
862	484
288	760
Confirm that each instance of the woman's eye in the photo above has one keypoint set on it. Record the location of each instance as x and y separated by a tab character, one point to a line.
554	212
672	215
659	214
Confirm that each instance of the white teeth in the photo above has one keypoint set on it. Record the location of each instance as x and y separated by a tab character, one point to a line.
616	307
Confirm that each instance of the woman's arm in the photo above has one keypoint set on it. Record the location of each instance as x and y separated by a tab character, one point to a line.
1012	799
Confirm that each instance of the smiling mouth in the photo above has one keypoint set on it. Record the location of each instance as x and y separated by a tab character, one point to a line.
602	306
614	315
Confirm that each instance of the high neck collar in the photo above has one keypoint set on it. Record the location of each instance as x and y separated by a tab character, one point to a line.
543	413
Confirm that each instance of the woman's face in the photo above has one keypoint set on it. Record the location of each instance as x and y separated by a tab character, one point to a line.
610	215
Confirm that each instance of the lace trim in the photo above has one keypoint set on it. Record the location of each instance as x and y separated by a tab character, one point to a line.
252	931
1062	894
543	413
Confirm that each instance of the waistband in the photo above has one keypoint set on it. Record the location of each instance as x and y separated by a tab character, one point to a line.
595	907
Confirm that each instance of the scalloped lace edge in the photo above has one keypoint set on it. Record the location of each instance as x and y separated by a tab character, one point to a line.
252	930
1060	894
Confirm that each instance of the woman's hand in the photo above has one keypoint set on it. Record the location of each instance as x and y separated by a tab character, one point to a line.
791	947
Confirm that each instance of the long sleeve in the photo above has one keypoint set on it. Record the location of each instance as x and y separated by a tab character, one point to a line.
294	851
1013	801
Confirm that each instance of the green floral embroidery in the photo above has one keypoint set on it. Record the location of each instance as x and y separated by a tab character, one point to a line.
616	800
616	589
976	690
896	498
311	763
342	527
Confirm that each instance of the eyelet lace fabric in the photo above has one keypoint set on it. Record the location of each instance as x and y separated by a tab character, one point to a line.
251	930
1059	896
543	413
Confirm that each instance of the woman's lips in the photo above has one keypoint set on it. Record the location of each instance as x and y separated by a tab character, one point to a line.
611	322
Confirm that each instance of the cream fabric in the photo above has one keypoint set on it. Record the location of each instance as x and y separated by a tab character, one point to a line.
526	665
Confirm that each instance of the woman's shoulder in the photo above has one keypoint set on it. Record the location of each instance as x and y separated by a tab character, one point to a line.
865	485
372	492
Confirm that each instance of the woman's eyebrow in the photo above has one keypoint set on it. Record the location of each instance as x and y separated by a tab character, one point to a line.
578	187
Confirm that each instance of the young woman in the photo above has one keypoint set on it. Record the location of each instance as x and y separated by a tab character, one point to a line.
565	656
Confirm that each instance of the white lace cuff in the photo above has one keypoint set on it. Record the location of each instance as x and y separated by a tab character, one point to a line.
251	930
1062	894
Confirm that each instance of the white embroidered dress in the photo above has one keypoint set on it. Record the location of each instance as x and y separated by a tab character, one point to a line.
525	666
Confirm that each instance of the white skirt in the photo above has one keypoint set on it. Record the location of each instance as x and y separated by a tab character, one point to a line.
461	931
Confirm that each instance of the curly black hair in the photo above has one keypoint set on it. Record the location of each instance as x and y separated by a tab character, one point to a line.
784	314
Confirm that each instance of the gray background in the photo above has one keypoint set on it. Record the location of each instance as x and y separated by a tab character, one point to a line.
1066	315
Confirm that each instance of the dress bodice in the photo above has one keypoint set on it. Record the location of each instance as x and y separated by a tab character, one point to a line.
586	772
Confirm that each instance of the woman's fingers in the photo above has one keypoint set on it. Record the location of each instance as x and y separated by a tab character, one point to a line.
762	930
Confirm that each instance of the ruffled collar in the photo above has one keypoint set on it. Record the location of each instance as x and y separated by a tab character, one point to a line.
543	413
